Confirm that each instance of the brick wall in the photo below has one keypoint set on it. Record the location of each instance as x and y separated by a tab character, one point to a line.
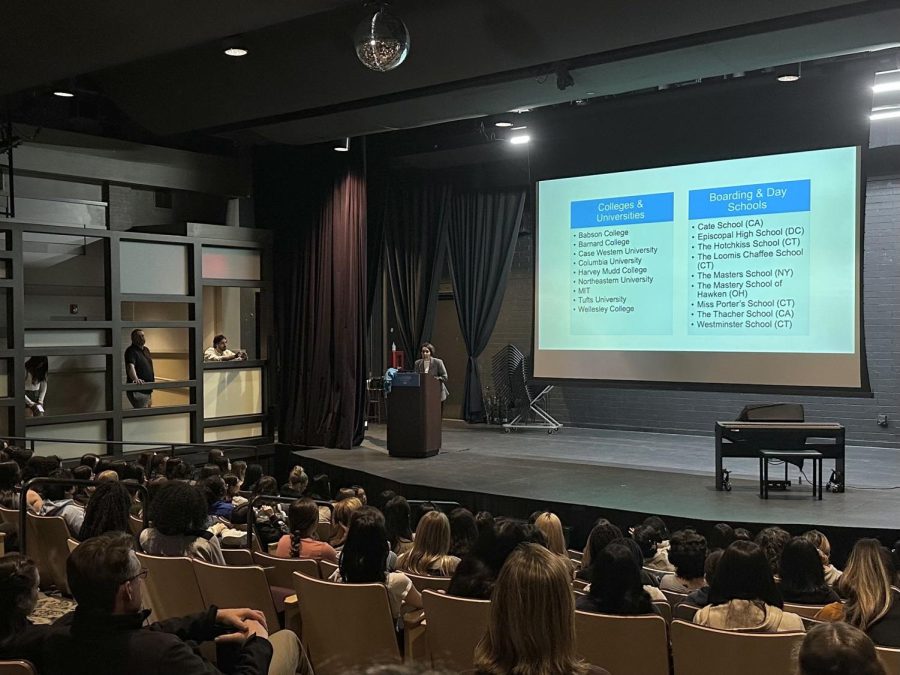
695	412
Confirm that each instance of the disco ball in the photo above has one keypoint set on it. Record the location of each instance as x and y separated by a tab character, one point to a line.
382	41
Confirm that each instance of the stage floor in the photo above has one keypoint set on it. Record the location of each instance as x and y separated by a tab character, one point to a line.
626	472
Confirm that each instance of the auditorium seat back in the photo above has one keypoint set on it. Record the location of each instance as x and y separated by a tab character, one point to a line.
136	525
280	571
455	625
890	659
697	650
46	545
624	645
326	569
237	557
171	587
685	612
426	583
225	586
808	611
17	668
346	627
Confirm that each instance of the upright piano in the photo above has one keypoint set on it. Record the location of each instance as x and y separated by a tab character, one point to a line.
746	439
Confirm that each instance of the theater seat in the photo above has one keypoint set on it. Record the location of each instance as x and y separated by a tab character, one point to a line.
237	557
890	659
46	545
280	571
426	583
17	668
237	587
455	625
346	627
623	645
171	587
698	650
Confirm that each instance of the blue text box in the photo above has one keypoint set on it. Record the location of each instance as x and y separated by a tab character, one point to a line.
618	211
736	200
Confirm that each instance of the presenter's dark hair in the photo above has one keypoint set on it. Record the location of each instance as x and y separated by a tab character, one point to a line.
429	347
135	332
744	574
218	339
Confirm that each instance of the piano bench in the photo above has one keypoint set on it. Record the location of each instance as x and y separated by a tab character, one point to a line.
788	456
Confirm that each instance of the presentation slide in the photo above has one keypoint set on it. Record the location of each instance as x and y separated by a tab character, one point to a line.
743	271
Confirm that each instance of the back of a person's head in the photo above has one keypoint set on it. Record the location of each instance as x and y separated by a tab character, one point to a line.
172	468
303	516
744	574
866	583
134	472
343	510
298	479
20	455
89	459
421	509
431	543
382	498
711	566
266	485
364	556
208	470
772	540
345	493
599	538
82	472
96	569
484	519
659	525
800	570
687	552
820	541
495	547
742	534
213	488
616	581
178	509
532	617
720	536
56	491
396	518
107	510
838	649
647	537
320	486
18	593
9	475
463	531
253	473
551	526
239	468
39	466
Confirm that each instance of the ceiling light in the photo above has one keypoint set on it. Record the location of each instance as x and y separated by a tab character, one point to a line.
520	139
884	113
788	73
503	124
381	40
234	46
342	145
63	93
519	128
886	86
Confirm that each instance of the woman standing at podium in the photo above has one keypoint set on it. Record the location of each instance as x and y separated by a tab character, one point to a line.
431	365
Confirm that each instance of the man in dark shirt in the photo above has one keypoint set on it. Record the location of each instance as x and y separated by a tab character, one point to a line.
139	368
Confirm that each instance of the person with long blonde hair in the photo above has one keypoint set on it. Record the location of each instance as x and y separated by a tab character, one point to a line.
531	629
429	555
340	524
551	527
871	602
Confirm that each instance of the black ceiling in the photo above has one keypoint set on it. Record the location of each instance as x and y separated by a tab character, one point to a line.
158	68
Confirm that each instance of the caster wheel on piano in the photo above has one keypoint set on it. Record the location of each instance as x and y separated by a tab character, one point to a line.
506	431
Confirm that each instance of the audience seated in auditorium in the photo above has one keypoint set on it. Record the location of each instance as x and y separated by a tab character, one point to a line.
616	584
10	477
532	619
19	638
320	487
429	555
602	533
551	527
720	537
838	649
872	605
252	474
823	546
267	520
654	557
463	531
177	469
178	520
743	595
214	491
687	553
382	498
363	560
700	597
341	516
297	483
107	511
82	493
217	456
660	559
106	634
801	577
477	572
232	487
90	460
58	502
205	472
239	469
397	522
303	517
772	540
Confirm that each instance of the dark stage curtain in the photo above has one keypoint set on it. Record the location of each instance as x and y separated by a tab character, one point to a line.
482	233
415	230
317	204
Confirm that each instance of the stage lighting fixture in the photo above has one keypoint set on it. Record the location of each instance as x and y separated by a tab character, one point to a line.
381	40
503	124
789	73
342	145
64	93
234	46
520	139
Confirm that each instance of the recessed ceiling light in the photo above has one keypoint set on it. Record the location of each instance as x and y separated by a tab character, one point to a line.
520	139
63	93
503	124
883	87
342	145
789	73
234	46
884	113
519	128
236	51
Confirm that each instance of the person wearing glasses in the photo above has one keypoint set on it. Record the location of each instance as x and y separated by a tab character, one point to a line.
431	365
107	634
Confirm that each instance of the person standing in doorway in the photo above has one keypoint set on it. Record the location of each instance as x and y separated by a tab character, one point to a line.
139	368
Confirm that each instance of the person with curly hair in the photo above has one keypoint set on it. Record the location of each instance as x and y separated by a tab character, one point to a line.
687	551
303	516
178	516
107	511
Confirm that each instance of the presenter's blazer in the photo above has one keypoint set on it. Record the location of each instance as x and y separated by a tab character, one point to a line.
437	370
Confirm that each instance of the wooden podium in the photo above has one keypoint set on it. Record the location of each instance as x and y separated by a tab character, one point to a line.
414	416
